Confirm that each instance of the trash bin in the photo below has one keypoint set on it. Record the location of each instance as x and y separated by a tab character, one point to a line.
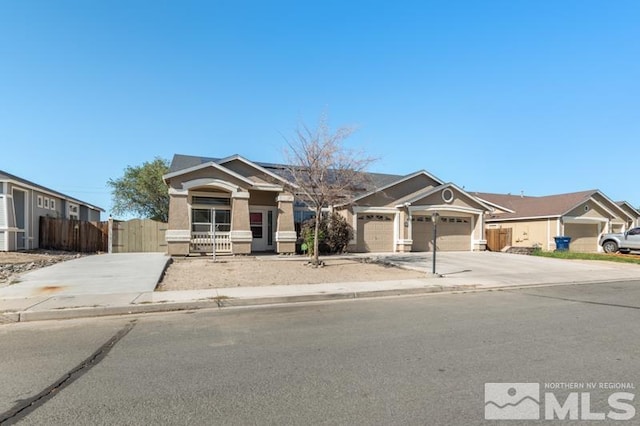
562	243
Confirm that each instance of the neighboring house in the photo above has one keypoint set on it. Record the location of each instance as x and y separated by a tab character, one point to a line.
632	212
22	203
246	207
535	221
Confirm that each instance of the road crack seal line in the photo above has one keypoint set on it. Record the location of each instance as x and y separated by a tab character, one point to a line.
566	299
26	406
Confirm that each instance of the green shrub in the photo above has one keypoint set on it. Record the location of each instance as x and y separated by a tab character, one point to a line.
334	234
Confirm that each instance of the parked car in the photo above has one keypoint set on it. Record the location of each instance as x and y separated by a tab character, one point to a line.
623	241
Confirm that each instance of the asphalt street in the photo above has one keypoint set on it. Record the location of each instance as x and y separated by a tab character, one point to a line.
403	360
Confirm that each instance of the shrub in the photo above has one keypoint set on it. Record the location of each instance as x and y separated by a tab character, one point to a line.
334	234
339	233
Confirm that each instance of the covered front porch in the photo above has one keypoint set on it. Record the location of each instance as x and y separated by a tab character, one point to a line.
214	209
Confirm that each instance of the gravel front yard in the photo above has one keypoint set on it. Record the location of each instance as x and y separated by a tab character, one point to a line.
12	264
203	273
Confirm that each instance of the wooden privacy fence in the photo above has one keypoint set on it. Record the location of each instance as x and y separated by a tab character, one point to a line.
73	235
113	236
498	238
138	235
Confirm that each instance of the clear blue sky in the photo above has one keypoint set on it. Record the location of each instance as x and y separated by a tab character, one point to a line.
496	96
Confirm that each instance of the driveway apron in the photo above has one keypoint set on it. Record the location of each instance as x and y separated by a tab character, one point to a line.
97	274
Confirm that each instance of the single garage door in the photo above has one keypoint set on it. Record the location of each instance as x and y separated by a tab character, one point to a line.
454	233
422	231
375	233
584	237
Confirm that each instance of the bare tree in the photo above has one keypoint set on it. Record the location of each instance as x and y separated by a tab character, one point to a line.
325	171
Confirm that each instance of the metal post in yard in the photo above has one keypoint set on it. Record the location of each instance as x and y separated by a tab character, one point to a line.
213	234
434	220
110	235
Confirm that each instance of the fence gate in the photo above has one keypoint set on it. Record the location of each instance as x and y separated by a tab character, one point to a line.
138	235
497	239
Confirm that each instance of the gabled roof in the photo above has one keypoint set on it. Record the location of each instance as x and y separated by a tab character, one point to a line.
625	204
398	180
418	195
211	164
8	177
181	162
521	206
256	166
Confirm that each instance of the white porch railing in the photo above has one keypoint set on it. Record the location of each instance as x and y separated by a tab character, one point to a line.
202	242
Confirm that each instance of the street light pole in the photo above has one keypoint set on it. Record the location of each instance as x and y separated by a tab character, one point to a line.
434	221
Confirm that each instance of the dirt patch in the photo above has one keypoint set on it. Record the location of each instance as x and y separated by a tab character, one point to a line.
200	273
12	264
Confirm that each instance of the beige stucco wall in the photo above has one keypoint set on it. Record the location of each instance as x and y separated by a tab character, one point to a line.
530	233
240	214
178	211
177	248
285	217
404	232
240	222
348	215
285	229
263	198
459	200
594	211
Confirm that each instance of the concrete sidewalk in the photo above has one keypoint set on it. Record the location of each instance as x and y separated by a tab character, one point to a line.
459	272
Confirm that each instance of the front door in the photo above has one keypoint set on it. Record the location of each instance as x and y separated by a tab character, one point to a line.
261	222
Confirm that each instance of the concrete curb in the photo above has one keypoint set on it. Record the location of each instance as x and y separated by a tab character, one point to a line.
99	311
222	302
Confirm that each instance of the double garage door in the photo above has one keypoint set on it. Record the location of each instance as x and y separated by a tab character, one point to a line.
584	237
375	233
454	234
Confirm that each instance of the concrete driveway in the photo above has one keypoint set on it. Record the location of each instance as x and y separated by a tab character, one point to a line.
490	269
98	274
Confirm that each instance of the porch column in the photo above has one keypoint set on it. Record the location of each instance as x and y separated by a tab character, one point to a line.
285	231
240	234
405	241
178	233
477	232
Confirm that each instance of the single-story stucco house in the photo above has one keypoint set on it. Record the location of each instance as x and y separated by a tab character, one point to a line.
632	212
246	206
535	221
23	202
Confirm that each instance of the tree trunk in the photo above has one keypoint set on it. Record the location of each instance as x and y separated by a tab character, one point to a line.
316	246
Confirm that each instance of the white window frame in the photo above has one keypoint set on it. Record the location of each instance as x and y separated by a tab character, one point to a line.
46	203
71	214
40	201
52	204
